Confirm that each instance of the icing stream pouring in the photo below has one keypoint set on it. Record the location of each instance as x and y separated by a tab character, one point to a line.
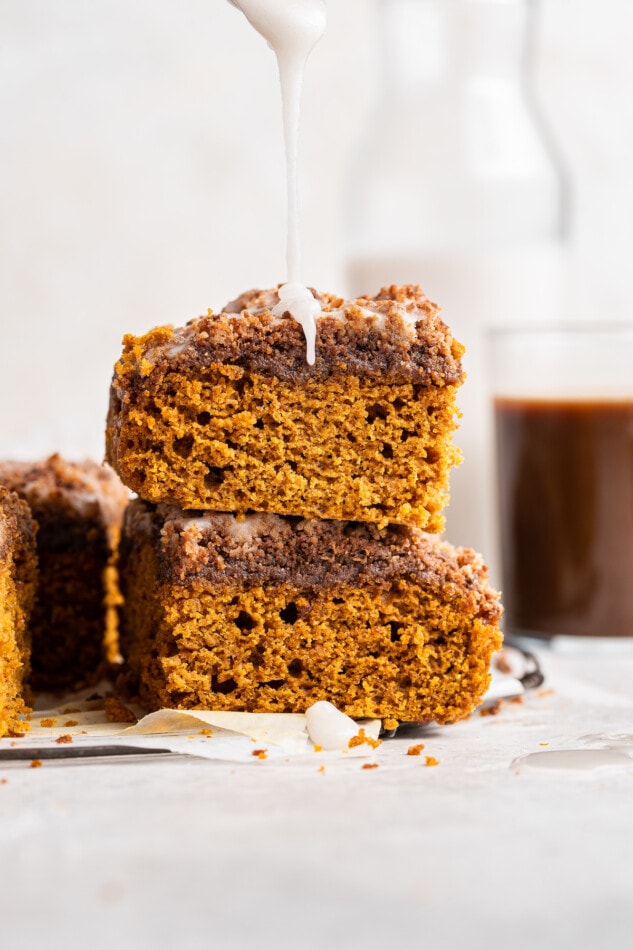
292	28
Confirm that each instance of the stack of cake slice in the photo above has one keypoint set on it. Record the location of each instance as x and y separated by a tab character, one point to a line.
277	554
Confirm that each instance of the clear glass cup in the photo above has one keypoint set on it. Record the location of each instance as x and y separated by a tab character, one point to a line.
563	412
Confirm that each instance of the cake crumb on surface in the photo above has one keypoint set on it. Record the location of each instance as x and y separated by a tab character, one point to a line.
64	739
363	739
47	723
415	749
370	765
493	710
430	760
260	753
71	722
36	763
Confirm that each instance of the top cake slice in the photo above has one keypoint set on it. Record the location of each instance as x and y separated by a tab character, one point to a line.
226	414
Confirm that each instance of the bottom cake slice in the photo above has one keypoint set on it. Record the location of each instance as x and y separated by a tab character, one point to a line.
17	590
272	614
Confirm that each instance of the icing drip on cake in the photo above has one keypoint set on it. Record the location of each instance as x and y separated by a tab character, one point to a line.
292	28
301	304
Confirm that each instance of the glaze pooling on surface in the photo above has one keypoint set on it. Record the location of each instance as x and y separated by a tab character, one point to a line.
611	756
292	28
577	760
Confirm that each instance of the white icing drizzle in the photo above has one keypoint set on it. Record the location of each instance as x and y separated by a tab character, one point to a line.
292	28
403	321
301	304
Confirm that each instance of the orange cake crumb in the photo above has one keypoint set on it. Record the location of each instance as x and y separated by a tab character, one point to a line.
47	723
36	763
370	765
430	760
260	753
64	739
363	739
415	749
493	710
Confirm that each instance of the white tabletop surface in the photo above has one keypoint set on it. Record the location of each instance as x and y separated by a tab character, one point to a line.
476	851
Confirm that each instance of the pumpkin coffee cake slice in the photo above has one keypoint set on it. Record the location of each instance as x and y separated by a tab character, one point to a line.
225	413
78	507
17	590
272	614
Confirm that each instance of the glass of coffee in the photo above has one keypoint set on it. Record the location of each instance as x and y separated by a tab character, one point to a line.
563	408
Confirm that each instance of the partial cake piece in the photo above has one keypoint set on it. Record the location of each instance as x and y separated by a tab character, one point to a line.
271	614
78	508
226	414
18	573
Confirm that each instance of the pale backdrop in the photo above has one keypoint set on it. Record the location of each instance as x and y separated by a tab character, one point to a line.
141	178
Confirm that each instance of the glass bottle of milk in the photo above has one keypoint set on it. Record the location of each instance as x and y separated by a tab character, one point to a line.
456	187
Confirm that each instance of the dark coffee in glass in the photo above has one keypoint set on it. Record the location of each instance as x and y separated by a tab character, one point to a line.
565	480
